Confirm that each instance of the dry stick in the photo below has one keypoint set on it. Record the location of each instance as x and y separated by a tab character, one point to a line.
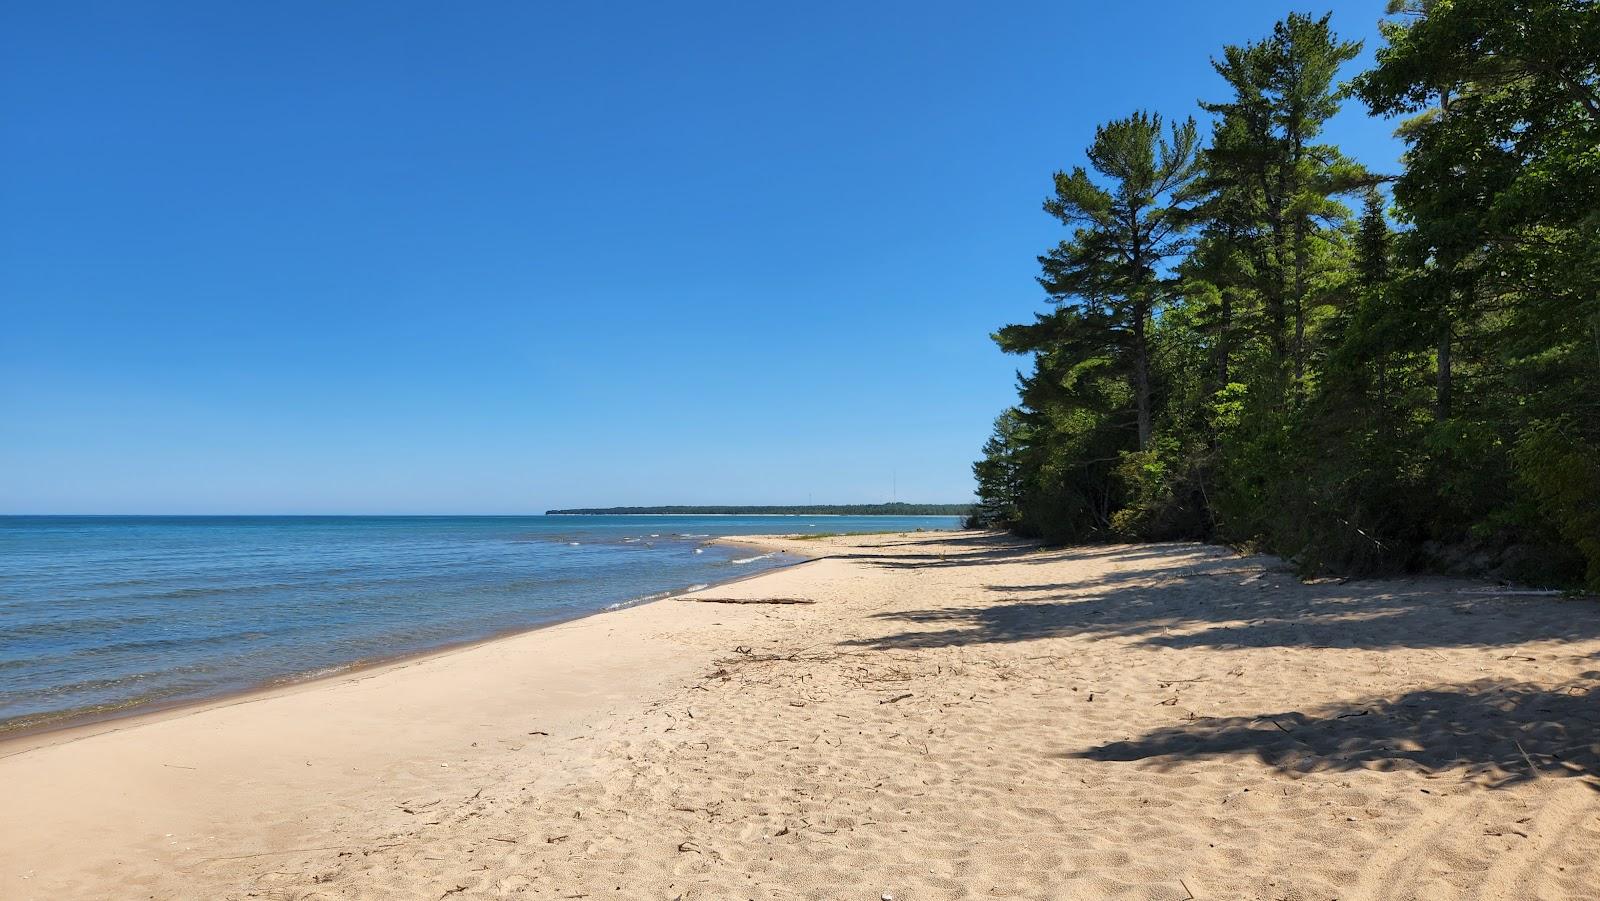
1288	733
1192	895
1531	765
749	600
896	698
292	851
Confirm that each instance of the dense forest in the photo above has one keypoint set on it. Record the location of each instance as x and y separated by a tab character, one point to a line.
1258	340
894	509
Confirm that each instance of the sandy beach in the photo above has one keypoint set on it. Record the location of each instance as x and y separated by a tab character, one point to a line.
913	716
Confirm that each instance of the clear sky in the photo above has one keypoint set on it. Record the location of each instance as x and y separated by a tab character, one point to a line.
398	257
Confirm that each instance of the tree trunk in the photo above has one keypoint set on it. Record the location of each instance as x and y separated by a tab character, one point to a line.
1141	374
1442	389
1383	383
1295	189
1224	337
1274	298
1300	292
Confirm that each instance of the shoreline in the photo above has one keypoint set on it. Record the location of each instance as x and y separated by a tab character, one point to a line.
934	717
74	727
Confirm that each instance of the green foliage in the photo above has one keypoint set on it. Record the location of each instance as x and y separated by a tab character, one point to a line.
1564	472
1002	472
1123	230
1235	356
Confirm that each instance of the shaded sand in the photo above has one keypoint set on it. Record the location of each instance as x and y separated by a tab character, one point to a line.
953	717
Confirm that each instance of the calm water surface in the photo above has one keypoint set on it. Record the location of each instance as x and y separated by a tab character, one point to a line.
105	614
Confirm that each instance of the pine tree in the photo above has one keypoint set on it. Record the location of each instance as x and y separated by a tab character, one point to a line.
1268	186
1124	230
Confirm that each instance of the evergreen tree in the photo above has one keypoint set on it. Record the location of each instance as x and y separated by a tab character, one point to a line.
1502	193
1123	231
1001	472
1269	187
1234	357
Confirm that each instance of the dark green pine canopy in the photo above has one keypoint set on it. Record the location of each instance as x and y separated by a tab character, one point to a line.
1255	339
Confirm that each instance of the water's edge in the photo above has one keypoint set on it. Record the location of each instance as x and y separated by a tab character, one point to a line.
72	726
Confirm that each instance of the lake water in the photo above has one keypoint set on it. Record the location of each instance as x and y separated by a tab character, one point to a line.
106	614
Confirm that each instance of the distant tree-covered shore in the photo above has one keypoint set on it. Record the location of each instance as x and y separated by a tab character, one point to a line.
802	510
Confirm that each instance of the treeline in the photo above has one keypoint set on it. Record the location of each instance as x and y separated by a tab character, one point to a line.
895	509
1256	339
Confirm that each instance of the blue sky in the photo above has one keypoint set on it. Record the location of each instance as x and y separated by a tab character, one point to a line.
495	257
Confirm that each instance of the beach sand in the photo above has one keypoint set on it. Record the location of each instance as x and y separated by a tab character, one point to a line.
952	716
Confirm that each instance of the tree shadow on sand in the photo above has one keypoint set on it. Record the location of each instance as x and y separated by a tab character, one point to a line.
988	549
1499	733
1229	602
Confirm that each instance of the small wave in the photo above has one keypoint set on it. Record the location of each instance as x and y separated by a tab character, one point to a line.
751	559
641	599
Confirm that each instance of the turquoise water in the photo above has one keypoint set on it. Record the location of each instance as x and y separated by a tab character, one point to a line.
106	614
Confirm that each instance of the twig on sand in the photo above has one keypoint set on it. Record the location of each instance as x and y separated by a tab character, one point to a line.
294	851
1287	732
1531	765
749	600
896	698
1186	888
1500	832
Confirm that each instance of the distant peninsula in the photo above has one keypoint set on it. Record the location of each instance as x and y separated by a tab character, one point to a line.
801	510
